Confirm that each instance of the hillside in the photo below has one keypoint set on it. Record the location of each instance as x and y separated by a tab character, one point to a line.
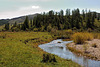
4	21
17	19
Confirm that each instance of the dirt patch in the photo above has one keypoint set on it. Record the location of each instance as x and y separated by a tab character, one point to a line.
90	49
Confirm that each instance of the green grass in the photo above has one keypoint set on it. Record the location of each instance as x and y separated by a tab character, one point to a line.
15	52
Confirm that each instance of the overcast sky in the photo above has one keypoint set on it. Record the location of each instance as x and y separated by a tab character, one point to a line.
15	8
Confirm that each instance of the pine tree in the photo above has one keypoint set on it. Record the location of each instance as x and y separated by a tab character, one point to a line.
83	14
15	24
7	27
61	16
31	23
26	24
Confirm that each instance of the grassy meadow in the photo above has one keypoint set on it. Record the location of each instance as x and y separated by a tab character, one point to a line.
20	49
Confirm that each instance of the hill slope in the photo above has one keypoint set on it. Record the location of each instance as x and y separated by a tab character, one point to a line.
17	19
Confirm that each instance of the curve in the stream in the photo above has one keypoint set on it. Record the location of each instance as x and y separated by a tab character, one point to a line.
58	47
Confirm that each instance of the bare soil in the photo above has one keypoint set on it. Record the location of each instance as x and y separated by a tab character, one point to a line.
90	49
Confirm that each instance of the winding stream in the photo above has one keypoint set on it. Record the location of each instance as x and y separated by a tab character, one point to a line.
60	50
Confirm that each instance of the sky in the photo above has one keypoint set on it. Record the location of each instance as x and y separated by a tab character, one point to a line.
15	8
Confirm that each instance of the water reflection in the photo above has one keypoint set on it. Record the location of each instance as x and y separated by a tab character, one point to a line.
60	49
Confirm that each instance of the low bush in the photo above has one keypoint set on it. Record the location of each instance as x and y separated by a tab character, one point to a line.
69	31
96	35
88	36
80	38
48	58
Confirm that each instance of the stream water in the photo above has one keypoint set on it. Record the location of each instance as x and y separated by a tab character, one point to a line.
60	50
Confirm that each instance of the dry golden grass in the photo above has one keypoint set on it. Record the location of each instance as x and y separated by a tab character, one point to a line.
80	38
96	35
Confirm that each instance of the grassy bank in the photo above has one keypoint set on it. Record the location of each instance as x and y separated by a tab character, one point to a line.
20	49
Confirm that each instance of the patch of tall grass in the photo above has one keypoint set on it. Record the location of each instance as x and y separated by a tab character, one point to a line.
96	35
88	36
80	38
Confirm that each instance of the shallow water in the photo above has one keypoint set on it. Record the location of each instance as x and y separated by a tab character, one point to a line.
60	50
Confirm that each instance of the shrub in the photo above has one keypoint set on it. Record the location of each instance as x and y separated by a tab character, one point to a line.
96	35
48	58
89	30
80	38
49	28
69	31
35	29
74	28
88	36
15	29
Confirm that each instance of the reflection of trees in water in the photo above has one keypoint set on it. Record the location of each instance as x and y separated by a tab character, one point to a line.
64	48
85	62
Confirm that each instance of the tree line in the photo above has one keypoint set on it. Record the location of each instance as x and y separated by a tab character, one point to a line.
52	20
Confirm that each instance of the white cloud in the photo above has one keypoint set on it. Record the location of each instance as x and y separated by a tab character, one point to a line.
29	8
35	7
22	11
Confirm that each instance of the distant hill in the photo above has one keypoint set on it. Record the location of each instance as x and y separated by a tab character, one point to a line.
4	21
17	19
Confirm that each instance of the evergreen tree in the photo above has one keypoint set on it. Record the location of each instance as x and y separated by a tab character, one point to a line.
58	19
31	23
7	27
26	24
83	14
93	19
15	24
61	17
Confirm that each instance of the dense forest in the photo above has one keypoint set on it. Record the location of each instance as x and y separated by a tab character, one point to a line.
75	20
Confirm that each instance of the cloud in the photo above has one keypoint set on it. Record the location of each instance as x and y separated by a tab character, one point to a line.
29	8
35	7
21	11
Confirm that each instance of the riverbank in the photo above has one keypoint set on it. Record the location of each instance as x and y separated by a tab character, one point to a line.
91	49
